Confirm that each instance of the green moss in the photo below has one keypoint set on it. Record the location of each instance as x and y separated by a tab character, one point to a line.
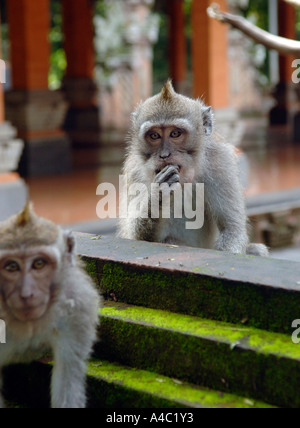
170	390
175	322
203	295
202	269
245	361
258	340
91	268
113	386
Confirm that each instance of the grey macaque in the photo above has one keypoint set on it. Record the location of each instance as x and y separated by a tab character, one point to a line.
47	302
170	145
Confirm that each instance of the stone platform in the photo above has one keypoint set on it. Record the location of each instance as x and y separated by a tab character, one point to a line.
183	327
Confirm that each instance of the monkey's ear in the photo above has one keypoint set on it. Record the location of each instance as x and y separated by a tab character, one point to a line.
208	119
71	247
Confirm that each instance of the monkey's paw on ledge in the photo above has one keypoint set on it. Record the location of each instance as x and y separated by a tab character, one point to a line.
183	327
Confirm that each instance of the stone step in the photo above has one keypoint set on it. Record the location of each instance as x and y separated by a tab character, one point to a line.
222	356
262	292
111	385
154	358
212	321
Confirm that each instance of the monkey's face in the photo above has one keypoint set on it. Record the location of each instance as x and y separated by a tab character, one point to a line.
26	280
169	144
171	130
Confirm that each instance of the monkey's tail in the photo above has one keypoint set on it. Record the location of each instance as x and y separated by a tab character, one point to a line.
259	250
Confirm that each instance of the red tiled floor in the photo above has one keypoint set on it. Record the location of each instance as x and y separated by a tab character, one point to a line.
72	198
276	169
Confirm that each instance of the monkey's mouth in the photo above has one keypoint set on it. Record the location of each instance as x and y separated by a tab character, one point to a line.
30	313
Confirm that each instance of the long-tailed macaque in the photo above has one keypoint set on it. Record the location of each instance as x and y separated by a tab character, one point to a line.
47	302
171	145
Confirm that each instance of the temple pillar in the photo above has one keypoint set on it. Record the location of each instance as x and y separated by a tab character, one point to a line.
211	68
82	121
36	111
177	45
210	60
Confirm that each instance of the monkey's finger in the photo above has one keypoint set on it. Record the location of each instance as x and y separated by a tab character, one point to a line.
166	173
174	179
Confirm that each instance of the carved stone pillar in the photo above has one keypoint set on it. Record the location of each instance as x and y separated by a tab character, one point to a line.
128	67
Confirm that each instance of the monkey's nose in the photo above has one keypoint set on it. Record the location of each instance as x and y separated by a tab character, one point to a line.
26	294
27	298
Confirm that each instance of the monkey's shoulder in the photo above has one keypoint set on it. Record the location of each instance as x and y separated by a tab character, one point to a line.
219	149
220	160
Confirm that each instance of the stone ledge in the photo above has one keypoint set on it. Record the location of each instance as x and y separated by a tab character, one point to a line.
13	195
258	292
111	385
222	356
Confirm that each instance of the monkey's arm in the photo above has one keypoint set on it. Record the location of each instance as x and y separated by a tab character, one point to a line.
131	224
68	378
224	198
280	44
143	227
72	344
138	229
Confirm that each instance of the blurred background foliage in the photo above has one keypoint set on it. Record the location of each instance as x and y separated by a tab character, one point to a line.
58	62
256	10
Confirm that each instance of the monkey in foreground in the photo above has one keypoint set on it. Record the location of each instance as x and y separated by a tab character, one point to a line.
47	302
171	144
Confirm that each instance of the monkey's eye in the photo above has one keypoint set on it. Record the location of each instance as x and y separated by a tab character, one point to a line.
12	267
39	264
176	134
154	136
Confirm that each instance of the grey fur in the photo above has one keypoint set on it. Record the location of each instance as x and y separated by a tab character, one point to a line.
68	328
203	160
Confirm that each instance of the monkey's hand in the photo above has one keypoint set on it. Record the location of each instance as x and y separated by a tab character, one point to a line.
169	175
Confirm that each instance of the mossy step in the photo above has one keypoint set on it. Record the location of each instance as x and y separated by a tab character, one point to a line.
111	385
193	281
240	360
121	386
